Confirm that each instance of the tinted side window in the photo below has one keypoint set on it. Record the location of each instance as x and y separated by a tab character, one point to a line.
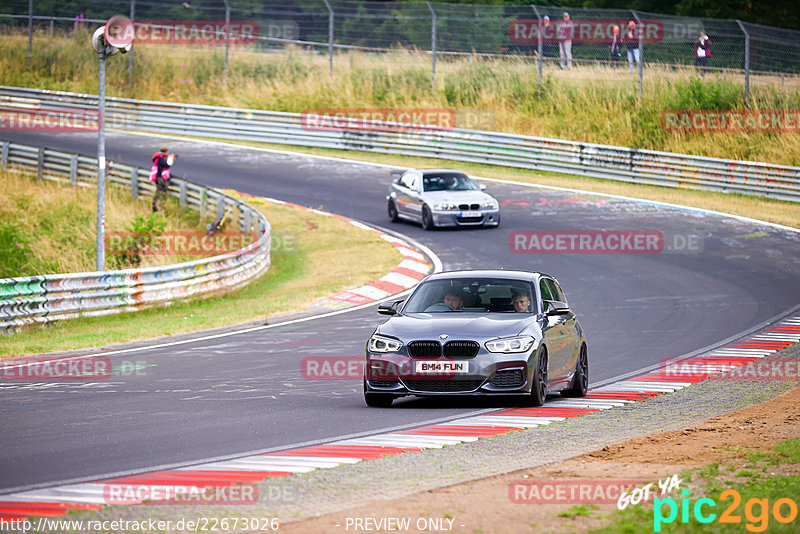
553	289
544	289
561	296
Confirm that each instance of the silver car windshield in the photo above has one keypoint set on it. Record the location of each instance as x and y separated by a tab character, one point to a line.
480	295
448	181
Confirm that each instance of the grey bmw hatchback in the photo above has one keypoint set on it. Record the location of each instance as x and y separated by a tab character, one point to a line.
482	332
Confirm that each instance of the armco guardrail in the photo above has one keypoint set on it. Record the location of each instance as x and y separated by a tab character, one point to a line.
45	298
492	148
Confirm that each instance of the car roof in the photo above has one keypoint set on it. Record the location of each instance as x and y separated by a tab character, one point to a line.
427	172
489	273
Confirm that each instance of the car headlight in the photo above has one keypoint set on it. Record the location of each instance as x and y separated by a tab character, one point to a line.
383	344
445	206
510	344
490	205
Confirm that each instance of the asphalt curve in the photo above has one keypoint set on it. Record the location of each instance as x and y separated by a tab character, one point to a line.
245	392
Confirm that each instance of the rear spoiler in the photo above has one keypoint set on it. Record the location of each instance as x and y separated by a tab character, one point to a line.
396	172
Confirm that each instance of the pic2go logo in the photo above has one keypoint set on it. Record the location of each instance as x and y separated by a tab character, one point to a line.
756	511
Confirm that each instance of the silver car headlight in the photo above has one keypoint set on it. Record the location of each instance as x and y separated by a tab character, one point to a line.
384	344
490	205
510	344
445	206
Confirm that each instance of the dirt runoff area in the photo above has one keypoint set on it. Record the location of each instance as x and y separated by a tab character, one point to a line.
487	506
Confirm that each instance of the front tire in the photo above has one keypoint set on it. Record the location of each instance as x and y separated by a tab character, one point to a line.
539	385
580	382
392	210
427	218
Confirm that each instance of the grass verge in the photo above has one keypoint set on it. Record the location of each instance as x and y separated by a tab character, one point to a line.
590	104
308	263
49	227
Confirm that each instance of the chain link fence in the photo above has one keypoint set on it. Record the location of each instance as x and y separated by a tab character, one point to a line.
605	38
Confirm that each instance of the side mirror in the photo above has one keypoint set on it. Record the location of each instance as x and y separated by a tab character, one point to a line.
390	308
483	187
552	307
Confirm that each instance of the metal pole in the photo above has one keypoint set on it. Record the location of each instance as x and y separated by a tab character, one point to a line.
101	165
130	52
52	23
541	46
227	36
746	63
641	53
330	38
433	44
30	31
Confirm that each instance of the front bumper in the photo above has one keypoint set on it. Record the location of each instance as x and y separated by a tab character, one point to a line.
487	217
488	374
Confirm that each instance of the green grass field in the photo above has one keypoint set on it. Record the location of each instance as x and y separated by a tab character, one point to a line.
593	104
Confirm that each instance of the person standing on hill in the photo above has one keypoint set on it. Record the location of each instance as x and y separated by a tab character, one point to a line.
615	50
702	51
632	44
564	33
160	174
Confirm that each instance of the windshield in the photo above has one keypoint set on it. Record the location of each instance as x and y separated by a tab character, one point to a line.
448	181
483	295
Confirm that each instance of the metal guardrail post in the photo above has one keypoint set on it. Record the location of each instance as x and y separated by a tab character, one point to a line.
39	164
4	155
182	196
73	170
220	207
203	201
641	53
134	183
433	44
747	63
52	23
330	37
541	46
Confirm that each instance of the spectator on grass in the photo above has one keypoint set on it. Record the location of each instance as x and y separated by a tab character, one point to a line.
160	174
548	35
702	51
564	35
615	50
632	44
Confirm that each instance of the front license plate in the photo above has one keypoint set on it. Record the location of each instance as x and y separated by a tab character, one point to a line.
459	368
465	214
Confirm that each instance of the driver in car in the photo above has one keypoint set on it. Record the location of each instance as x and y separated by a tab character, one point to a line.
522	303
453	299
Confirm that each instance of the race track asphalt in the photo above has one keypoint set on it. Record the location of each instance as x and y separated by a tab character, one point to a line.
241	393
